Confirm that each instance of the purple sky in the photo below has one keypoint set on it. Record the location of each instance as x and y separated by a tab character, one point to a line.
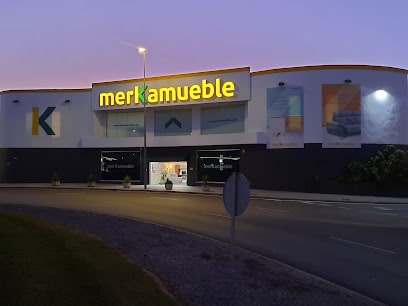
73	43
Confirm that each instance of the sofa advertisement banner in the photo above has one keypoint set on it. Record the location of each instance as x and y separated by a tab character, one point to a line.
284	122
341	122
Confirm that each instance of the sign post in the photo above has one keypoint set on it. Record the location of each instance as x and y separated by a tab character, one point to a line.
236	196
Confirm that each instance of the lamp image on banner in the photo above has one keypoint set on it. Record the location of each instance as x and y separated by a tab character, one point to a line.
341	122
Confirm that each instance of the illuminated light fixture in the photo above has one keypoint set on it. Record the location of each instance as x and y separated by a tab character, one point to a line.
380	95
16	101
221	160
67	101
347	81
143	51
281	84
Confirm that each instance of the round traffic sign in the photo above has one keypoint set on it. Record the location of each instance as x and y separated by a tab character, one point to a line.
236	194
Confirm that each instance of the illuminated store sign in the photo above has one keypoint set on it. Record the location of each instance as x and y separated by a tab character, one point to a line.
204	91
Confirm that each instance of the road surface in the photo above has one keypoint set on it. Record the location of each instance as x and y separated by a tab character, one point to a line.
360	246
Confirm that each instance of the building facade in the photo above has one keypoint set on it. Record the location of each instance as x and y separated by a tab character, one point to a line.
280	127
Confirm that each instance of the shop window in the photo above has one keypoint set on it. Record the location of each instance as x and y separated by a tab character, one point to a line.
129	124
173	123
115	165
223	120
217	165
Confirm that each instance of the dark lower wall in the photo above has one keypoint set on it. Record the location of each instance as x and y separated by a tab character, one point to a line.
37	165
293	169
278	169
289	169
3	163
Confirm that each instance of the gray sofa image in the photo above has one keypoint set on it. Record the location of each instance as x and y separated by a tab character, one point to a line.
345	123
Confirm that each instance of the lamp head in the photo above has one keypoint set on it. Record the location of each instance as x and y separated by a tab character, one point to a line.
142	50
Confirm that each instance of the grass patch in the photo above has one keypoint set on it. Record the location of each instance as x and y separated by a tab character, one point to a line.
44	264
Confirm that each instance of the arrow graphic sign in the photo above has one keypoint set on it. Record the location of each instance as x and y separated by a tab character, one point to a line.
172	121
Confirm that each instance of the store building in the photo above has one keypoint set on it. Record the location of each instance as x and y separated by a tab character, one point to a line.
280	127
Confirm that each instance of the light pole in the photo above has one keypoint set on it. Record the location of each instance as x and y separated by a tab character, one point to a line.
143	51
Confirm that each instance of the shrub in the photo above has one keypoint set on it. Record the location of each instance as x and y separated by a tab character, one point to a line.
356	172
389	165
55	177
91	177
205	179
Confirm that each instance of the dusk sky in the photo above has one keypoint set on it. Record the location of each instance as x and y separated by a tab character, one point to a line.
74	43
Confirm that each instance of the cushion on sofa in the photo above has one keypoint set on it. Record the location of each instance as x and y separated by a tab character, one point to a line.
345	123
347	117
352	129
336	128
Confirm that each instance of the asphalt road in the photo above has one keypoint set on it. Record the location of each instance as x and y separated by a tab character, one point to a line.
362	247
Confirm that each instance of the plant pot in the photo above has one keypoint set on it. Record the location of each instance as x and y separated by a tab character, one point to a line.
126	184
56	183
168	186
91	184
205	187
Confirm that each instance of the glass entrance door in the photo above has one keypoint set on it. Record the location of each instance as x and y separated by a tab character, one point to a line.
176	171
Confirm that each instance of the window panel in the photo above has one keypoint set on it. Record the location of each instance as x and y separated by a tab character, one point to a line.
128	124
173	122
223	120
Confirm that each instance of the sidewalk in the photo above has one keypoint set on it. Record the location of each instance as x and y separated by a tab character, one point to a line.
255	193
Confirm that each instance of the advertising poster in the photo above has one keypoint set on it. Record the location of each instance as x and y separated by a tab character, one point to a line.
284	125
341	122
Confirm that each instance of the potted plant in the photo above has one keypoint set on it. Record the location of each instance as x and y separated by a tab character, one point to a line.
168	184
91	180
127	181
204	184
55	179
163	177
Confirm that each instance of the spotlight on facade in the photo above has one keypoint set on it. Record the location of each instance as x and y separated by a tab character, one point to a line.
281	84
16	101
347	81
67	101
381	95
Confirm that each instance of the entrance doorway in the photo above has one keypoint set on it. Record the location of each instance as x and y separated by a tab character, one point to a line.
176	171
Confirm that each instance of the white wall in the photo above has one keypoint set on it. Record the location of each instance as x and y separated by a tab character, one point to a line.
195	139
77	125
240	77
70	120
2	124
381	122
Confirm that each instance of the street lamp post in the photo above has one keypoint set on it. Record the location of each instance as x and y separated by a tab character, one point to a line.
143	51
